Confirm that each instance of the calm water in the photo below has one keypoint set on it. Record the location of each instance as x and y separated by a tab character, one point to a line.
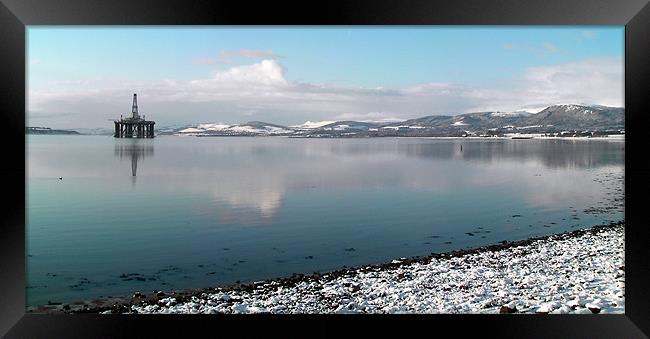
184	212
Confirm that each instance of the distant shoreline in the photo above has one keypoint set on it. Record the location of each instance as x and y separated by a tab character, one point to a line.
612	137
49	131
249	293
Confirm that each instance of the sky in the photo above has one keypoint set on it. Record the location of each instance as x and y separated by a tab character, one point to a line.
83	77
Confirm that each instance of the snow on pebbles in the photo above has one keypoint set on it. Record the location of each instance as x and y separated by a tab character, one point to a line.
581	272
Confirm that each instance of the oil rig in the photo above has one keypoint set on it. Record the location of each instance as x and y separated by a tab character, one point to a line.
134	126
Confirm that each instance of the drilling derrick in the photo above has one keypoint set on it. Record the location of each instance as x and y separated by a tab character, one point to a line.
135	126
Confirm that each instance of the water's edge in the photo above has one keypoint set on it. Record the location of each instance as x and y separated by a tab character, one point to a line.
122	305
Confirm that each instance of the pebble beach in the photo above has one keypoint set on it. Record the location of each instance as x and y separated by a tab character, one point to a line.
578	272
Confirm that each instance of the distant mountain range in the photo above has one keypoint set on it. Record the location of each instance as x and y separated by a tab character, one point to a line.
553	119
577	119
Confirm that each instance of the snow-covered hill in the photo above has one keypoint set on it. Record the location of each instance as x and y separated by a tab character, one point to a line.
249	128
552	119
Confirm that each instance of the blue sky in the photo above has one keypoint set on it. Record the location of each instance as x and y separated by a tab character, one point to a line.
86	65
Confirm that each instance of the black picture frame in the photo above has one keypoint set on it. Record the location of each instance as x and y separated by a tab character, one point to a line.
15	15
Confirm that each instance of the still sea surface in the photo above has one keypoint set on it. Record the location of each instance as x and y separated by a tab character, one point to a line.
187	212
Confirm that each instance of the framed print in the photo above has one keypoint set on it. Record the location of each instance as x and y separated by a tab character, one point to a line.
223	163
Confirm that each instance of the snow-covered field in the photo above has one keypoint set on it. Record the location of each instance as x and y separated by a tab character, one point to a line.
580	272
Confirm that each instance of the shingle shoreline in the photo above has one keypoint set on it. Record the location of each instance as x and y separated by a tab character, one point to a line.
580	271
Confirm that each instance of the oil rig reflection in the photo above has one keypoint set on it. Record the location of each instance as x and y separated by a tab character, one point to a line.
136	150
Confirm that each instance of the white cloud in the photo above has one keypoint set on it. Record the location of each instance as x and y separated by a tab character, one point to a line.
370	117
261	91
592	81
589	81
267	72
429	89
228	57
